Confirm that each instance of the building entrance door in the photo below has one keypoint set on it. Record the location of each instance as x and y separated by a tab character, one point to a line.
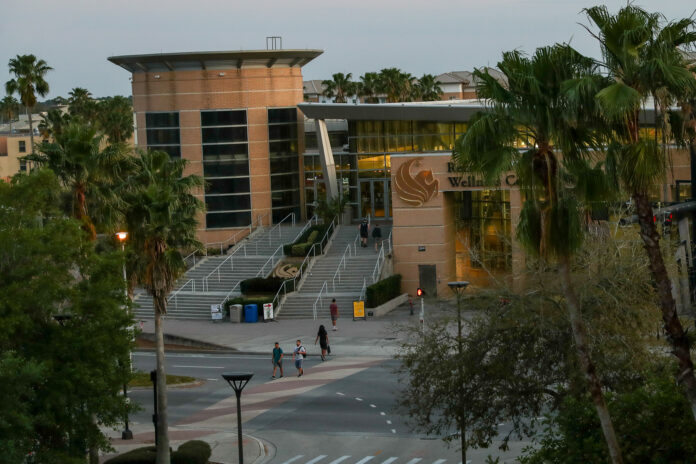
374	198
427	279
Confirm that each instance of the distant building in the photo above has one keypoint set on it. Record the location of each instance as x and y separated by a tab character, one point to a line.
12	148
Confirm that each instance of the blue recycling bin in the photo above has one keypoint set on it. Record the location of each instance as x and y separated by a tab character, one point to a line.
251	313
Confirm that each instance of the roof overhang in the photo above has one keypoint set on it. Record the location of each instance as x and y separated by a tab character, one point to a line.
191	61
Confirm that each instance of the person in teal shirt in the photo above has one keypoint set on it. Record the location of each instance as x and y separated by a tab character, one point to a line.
277	360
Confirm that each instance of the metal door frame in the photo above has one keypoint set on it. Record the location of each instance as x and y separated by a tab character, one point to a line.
387	199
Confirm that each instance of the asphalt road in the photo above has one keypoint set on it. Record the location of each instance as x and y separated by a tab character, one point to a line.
351	420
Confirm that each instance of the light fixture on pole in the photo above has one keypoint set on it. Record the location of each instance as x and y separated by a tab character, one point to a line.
127	434
238	381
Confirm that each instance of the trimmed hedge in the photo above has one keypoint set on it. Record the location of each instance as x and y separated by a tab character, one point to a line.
261	285
191	452
304	243
383	291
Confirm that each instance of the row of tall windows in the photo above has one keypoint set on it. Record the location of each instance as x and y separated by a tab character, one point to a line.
162	130
284	160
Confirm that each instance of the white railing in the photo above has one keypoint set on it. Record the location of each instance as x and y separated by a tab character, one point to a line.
230	293
389	242
378	265
192	282
192	257
277	226
363	290
342	262
306	226
233	239
319	301
272	261
260	217
355	242
229	258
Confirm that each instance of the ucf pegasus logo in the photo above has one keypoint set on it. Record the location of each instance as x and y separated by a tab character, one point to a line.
415	190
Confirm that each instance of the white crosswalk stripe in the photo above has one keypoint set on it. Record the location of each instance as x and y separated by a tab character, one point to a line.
317	459
414	461
439	461
390	460
294	459
341	459
365	459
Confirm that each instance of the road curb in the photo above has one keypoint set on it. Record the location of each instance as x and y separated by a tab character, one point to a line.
267	450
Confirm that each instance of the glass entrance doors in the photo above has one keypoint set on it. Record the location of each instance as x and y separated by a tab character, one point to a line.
374	198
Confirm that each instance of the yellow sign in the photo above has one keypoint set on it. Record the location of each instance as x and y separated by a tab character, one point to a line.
358	309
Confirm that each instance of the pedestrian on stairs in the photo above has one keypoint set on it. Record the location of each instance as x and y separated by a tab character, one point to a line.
323	339
364	228
333	308
377	236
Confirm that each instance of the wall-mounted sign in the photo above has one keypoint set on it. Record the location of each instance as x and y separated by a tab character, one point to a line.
418	189
510	180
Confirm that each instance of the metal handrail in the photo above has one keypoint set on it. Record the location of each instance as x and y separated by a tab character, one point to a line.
363	290
230	293
319	300
174	295
233	239
378	265
277	226
355	242
306	226
338	269
389	242
259	219
229	258
270	260
192	254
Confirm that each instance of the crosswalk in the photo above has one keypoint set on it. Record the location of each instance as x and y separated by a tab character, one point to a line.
348	459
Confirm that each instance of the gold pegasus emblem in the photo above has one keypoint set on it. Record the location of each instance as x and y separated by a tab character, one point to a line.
415	190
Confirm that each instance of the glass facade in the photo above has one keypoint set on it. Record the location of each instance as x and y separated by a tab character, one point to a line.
283	148
483	233
162	131
226	168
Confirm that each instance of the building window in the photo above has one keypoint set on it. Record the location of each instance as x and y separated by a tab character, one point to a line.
22	146
163	134
22	165
226	168
285	162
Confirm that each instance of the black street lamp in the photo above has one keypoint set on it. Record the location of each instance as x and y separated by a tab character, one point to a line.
458	289
238	381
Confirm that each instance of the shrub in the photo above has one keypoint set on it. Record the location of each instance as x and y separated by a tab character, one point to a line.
192	452
214	251
261	285
654	424
304	242
383	291
144	455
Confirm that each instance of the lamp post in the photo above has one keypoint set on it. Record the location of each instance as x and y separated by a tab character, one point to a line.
238	381
458	289
127	434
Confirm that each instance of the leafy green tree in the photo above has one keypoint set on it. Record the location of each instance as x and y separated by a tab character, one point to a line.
27	83
160	211
9	109
64	338
115	118
89	170
339	87
427	89
535	108
368	87
642	58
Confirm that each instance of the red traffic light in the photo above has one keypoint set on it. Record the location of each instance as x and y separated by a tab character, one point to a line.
419	292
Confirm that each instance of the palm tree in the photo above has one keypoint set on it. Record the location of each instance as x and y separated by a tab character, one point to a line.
160	212
534	108
115	118
642	58
52	123
81	104
396	84
90	172
427	89
28	82
9	109
339	87
368	87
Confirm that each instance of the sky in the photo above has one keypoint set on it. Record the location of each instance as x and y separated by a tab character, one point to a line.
75	37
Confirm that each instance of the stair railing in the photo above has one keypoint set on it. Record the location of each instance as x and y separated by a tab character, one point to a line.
378	265
229	258
272	261
306	226
363	290
389	242
222	303
319	301
192	282
355	243
191	256
342	262
233	239
290	216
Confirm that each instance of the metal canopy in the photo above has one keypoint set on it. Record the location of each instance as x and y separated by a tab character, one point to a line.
191	61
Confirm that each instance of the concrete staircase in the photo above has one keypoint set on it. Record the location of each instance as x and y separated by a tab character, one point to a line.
359	264
198	289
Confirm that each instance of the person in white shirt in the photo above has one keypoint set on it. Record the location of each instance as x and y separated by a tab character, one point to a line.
300	354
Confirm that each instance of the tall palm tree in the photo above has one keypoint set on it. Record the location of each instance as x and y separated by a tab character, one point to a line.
160	213
427	89
396	84
9	109
90	171
534	108
339	87
368	87
642	57
27	83
81	104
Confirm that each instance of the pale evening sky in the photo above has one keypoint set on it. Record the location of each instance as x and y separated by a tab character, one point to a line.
76	36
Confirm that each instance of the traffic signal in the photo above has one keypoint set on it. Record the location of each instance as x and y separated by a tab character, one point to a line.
419	292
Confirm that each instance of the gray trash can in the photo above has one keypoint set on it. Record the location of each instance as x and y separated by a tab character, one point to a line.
236	313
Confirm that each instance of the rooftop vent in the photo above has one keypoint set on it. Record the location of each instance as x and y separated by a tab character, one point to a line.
274	42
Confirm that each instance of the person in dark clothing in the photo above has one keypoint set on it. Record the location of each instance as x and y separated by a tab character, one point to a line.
377	236
323	339
364	228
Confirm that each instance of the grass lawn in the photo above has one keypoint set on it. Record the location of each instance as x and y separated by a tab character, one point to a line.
142	379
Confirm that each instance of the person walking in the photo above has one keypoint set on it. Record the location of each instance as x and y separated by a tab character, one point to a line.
277	360
333	308
364	228
323	339
300	353
377	236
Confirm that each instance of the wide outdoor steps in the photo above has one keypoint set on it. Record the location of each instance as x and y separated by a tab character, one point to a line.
359	266
212	278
